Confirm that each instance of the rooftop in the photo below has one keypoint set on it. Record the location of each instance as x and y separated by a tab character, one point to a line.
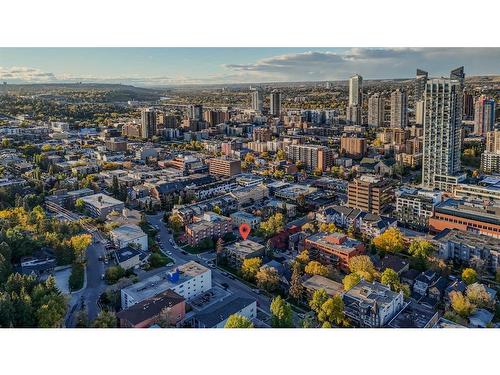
128	232
101	200
372	293
245	247
413	315
334	241
318	282
470	209
220	312
162	281
471	239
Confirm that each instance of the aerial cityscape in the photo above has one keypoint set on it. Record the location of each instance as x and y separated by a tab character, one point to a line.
249	188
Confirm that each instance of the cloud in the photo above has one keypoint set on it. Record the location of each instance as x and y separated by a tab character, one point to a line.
25	74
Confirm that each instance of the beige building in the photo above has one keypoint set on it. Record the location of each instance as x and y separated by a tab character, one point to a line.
353	146
224	167
370	193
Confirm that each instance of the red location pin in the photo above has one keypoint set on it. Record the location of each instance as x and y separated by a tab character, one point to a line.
244	230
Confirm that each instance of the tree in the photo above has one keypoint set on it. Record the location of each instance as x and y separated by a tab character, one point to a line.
420	248
5	268
274	224
332	311
51	314
390	241
461	304
302	258
165	318
469	276
319	297
309	228
175	223
351	281
79	244
390	278
238	321
479	296
219	249
280	155
113	274
281	313
80	205
268	278
157	260
296	290
250	267
105	319
363	266
217	210
316	268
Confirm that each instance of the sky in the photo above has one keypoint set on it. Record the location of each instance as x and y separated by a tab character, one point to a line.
175	66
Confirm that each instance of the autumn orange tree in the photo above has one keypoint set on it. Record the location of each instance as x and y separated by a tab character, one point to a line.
391	241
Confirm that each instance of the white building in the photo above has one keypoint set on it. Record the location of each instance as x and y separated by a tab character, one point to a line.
188	280
399	109
100	205
129	234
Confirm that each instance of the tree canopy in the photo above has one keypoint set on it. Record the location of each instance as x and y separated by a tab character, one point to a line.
238	321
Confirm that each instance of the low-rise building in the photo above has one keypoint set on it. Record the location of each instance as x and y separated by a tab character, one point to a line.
242	217
415	315
146	313
211	225
100	205
216	316
129	234
236	253
128	257
333	248
188	280
372	304
318	282
414	207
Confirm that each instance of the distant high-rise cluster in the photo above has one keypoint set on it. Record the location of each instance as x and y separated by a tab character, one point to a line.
257	102
484	115
376	110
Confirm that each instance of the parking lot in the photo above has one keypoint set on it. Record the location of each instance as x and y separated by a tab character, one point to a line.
209	298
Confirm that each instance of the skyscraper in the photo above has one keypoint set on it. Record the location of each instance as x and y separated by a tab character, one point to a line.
376	110
468	106
420	81
399	109
257	100
458	74
442	133
356	90
275	100
353	112
484	116
148	123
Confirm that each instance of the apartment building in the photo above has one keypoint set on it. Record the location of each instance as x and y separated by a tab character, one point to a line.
211	225
414	207
224	167
370	193
100	205
353	146
313	157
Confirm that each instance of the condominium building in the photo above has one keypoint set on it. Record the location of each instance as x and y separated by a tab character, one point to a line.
370	193
148	123
420	81
275	103
257	102
262	134
399	109
312	156
490	162
353	146
188	280
116	144
333	248
356	90
100	205
484	116
195	112
414	207
372	304
224	166
376	110
442	133
468	106
211	225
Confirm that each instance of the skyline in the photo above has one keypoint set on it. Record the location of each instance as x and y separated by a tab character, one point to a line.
178	66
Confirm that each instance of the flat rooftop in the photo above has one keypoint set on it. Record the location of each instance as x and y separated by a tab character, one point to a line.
372	293
160	282
101	200
245	247
475	240
327	240
128	232
473	210
318	282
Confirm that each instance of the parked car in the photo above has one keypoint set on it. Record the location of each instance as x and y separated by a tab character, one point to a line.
225	285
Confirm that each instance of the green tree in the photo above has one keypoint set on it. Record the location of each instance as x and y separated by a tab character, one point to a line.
113	274
280	155
105	319
238	321
363	266
80	205
79	244
469	276
332	311
390	278
303	258
351	281
281	313
420	248
217	210
250	267
479	296
175	223
157	260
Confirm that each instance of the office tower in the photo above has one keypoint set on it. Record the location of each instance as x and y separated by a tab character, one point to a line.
458	75
376	110
195	112
468	106
312	156
370	193
257	102
442	132
275	102
420	81
148	123
419	112
356	90
353	146
399	109
484	116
